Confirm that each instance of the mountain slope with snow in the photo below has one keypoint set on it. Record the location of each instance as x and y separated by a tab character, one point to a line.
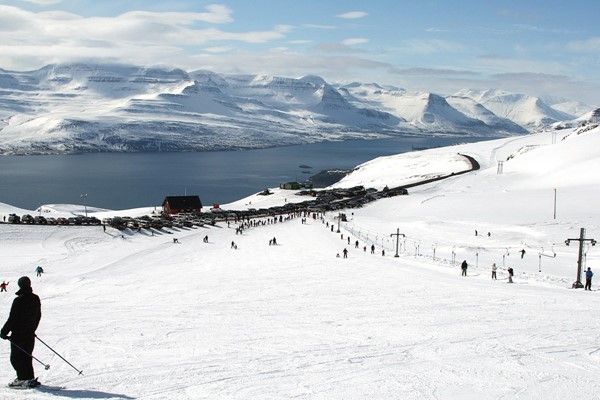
527	111
72	108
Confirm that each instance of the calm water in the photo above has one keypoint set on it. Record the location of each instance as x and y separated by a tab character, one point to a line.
122	181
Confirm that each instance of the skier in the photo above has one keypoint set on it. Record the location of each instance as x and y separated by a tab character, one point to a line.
205	239
464	267
39	271
3	286
588	279
511	273
23	320
494	268
522	252
345	251
274	241
356	244
372	249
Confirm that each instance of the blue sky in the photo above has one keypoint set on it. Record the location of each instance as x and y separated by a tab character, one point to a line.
541	48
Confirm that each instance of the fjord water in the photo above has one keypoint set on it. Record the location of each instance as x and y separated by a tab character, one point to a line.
129	180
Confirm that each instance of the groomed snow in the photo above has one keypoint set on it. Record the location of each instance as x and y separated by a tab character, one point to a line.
145	318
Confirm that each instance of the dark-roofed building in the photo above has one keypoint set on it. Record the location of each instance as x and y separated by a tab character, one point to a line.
179	204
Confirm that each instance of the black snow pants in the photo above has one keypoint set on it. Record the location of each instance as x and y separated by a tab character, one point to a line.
22	362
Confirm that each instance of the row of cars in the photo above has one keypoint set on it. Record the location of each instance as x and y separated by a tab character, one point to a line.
157	221
41	220
323	200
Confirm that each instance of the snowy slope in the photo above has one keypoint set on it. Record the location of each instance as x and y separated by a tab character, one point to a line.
475	110
146	318
528	111
431	112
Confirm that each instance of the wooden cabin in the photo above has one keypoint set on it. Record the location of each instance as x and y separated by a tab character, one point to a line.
181	204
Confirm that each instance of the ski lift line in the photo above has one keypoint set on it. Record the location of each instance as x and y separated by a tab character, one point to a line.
368	235
541	254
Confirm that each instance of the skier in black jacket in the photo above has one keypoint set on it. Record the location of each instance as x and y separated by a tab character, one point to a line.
24	318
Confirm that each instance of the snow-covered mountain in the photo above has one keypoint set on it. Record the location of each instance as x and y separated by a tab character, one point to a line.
527	111
72	108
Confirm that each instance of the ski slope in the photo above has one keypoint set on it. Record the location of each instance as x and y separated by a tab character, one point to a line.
146	318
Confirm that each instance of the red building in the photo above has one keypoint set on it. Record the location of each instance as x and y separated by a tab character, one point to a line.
179	204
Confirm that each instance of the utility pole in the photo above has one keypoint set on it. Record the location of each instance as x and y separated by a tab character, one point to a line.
581	240
84	197
554	203
397	234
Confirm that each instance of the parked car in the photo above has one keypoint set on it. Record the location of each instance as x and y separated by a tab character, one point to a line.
14	219
75	220
38	219
91	221
51	221
27	219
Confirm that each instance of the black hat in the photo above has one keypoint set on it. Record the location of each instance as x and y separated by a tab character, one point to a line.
24	282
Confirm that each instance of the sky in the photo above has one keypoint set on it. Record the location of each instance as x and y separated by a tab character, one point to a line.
538	47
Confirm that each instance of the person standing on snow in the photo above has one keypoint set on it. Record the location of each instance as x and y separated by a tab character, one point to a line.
23	320
39	271
3	286
463	267
588	279
511	273
494	269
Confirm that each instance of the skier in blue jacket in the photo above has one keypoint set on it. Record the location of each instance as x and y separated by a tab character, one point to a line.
588	279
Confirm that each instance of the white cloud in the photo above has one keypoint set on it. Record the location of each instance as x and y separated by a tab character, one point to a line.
43	2
352	15
430	46
591	45
31	40
219	49
315	26
331	48
281	62
353	41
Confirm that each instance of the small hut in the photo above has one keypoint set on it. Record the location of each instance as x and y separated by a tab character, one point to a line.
180	204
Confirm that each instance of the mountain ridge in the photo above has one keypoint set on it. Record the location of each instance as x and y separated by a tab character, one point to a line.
76	108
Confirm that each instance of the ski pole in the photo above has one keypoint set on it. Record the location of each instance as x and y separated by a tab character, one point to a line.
61	357
46	366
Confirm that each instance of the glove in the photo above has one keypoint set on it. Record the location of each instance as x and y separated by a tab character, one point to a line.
4	336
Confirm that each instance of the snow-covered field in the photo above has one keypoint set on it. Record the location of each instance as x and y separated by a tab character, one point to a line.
146	318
